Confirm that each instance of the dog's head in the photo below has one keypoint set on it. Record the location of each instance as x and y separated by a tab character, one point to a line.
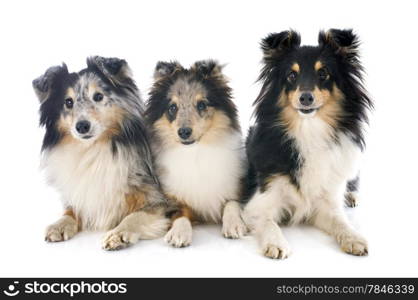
193	105
311	81
88	105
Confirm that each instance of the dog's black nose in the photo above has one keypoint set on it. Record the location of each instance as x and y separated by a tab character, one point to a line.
82	126
184	132
306	99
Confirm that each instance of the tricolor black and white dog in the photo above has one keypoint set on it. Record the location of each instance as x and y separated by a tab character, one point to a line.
308	136
96	153
198	147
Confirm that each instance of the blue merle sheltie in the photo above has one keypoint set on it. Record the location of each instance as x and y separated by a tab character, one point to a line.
308	136
198	147
96	153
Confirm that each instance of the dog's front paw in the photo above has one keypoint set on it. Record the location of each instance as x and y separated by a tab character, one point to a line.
180	234
118	239
62	230
233	227
276	251
351	199
355	245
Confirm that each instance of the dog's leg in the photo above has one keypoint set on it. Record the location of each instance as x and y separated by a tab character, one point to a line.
262	214
272	241
351	194
232	225
333	221
180	234
64	229
137	225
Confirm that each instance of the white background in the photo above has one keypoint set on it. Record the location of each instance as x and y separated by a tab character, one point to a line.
35	35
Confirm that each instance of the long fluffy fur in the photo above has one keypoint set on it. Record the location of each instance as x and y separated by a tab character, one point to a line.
203	176
300	167
103	181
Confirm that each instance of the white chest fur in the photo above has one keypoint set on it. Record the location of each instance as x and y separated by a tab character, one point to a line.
327	164
92	182
204	176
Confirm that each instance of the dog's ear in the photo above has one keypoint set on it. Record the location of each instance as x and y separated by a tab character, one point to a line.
115	69
343	42
208	68
277	44
164	69
44	83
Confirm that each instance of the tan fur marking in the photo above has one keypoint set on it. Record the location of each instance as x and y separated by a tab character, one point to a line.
289	116
69	212
64	129
175	99
70	93
135	201
219	124
328	101
186	211
183	210
112	118
318	65
331	107
92	88
198	97
296	67
165	130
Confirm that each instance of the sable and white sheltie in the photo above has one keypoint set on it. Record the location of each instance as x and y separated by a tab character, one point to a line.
198	147
304	147
96	153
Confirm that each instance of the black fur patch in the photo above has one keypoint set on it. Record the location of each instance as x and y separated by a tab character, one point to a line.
353	185
270	153
54	84
109	70
134	134
342	47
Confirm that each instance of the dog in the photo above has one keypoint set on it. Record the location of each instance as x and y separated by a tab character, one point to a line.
304	148
198	147
96	153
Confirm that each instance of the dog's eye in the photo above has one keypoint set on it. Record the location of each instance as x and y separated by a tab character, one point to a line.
69	103
323	74
292	76
201	105
98	97
172	109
